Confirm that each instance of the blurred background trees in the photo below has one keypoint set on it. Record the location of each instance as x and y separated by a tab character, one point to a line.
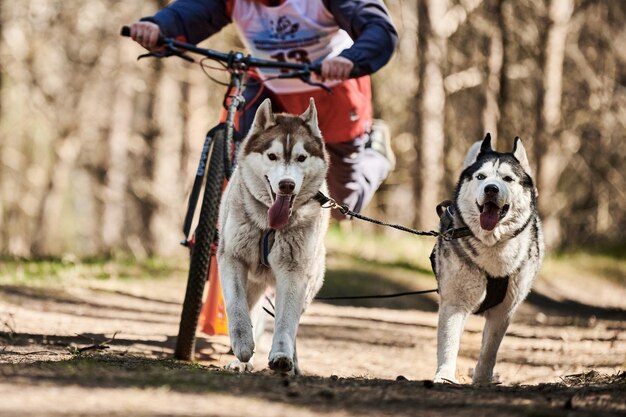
97	150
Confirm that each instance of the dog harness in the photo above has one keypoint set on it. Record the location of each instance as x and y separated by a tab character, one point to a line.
496	286
496	291
269	236
267	241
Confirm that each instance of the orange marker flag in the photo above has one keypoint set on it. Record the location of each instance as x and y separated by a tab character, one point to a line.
213	320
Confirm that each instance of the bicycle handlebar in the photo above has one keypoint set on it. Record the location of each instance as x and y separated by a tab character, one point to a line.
233	59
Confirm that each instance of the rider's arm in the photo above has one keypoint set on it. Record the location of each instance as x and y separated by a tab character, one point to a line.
369	24
193	20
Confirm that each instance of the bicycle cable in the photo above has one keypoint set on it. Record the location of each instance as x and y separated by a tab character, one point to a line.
206	67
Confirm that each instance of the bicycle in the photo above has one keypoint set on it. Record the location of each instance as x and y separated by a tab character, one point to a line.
217	162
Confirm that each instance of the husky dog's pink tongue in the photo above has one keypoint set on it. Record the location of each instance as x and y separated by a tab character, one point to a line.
489	216
280	211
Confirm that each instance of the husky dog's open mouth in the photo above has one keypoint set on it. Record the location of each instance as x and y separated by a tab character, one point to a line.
280	210
491	214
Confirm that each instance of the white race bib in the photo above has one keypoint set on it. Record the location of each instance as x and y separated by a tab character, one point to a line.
299	31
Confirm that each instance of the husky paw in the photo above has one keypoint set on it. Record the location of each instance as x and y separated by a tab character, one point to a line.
239	367
243	345
297	370
484	378
282	363
486	381
445	379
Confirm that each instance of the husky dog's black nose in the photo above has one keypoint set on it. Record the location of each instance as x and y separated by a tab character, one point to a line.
491	189
286	186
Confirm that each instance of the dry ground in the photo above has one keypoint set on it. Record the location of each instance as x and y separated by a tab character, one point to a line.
563	356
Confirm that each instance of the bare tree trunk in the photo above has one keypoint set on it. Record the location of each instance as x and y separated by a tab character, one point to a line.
550	154
432	99
68	104
65	153
116	178
495	63
3	246
436	23
141	237
504	84
14	188
168	174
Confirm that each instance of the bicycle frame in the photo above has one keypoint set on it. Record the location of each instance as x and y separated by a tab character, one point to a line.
235	94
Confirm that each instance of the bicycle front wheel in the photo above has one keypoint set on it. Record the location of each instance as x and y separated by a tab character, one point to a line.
205	235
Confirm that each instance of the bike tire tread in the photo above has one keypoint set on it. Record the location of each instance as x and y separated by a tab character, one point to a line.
200	261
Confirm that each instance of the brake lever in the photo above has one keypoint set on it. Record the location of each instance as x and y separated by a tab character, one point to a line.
317	84
306	77
168	51
178	53
152	55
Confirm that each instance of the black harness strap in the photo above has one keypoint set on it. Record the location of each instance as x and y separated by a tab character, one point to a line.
496	287
445	211
496	291
267	242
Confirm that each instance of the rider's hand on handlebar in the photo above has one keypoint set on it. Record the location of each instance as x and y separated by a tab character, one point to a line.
146	34
337	68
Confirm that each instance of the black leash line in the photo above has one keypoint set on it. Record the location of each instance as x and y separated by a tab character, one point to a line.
356	297
269	300
327	202
268	312
360	297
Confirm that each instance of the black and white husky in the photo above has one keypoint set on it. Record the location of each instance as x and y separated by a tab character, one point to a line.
490	268
282	165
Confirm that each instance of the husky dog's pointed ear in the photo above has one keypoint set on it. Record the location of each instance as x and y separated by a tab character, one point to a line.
486	144
264	117
472	154
310	118
520	154
476	149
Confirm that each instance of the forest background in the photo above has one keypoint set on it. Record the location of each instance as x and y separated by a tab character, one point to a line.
98	150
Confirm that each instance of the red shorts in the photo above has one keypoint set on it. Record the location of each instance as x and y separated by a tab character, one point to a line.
344	115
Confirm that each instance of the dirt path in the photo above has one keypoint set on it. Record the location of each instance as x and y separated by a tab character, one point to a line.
358	361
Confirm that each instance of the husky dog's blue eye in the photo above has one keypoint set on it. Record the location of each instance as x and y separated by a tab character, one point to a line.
508	179
272	156
480	177
301	158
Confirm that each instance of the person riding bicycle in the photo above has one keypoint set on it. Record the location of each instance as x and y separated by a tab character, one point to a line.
348	38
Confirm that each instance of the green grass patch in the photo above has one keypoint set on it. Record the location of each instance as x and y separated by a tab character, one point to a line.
394	249
358	262
586	265
51	271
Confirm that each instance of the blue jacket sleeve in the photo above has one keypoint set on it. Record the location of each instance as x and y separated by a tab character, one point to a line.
370	26
195	20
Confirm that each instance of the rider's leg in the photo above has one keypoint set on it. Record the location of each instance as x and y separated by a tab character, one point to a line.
355	173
